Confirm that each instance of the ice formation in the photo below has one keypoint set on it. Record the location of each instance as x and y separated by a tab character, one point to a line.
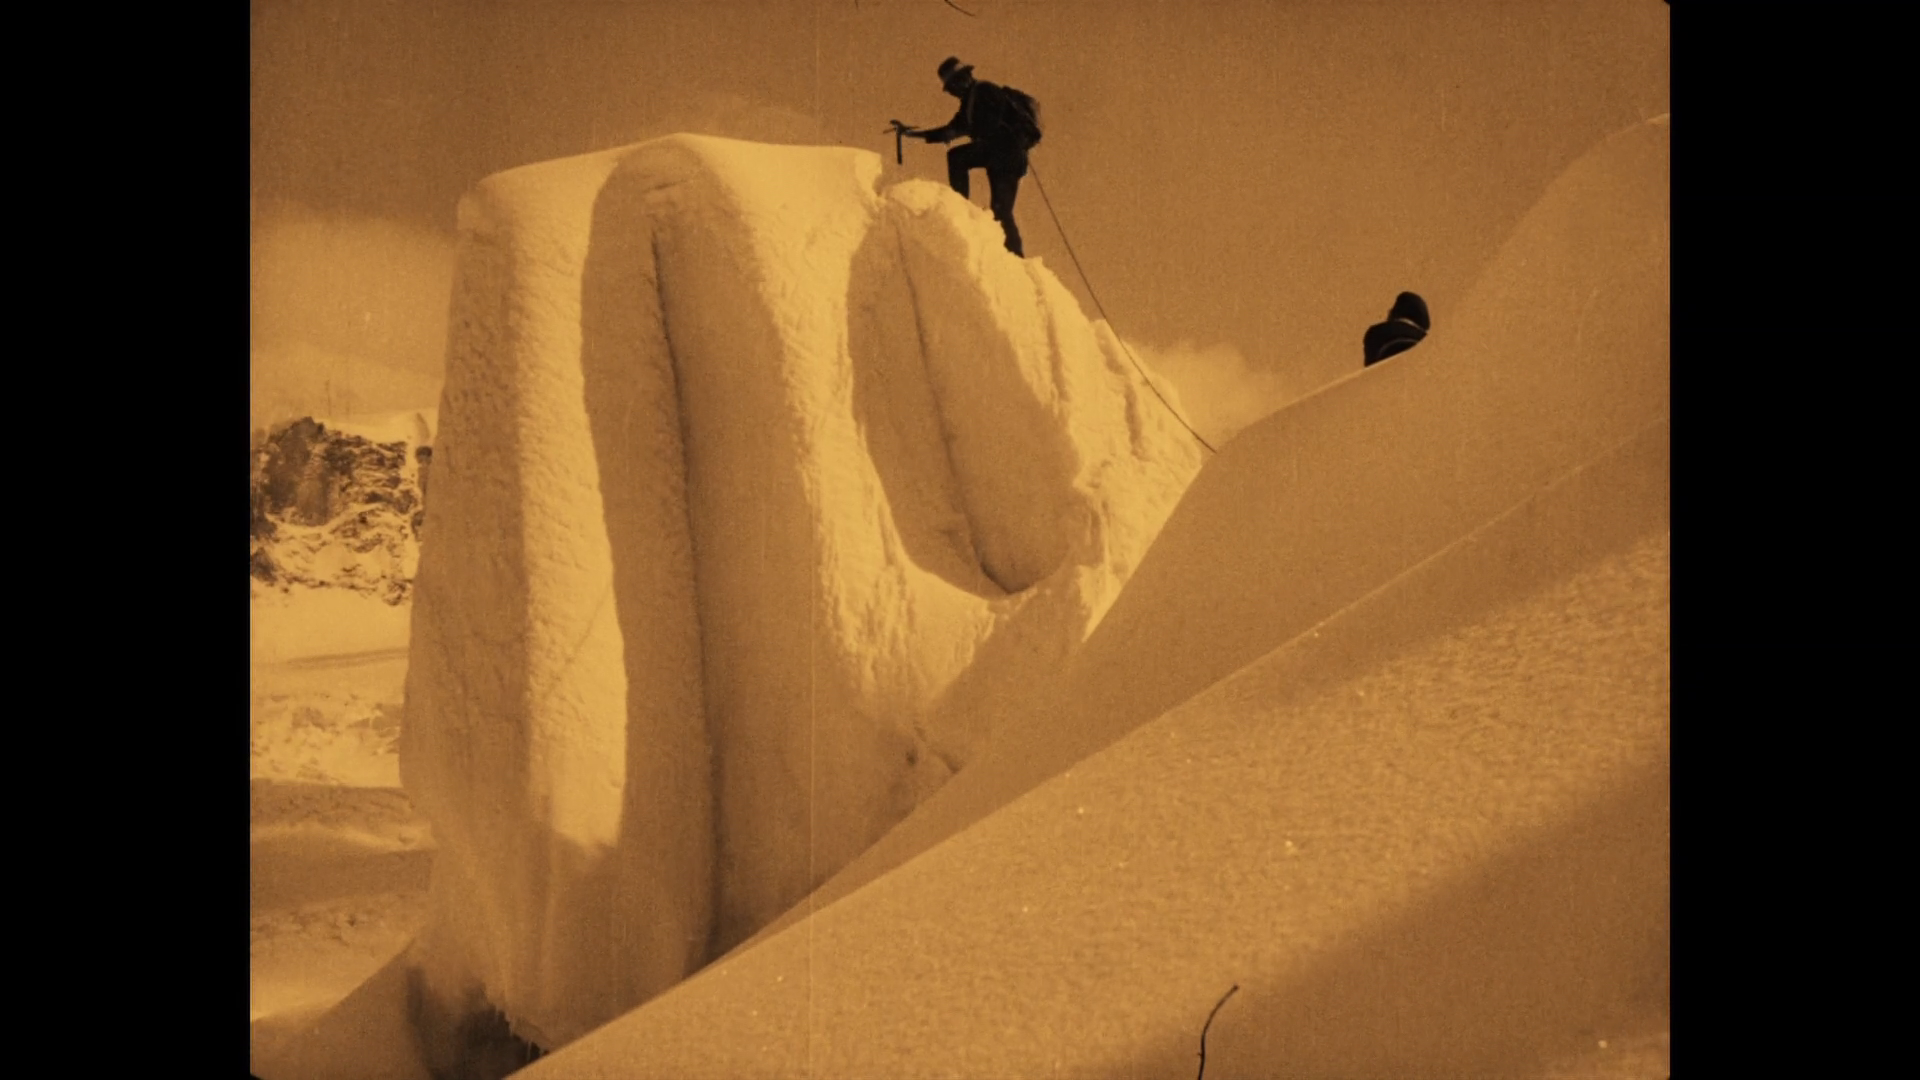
760	492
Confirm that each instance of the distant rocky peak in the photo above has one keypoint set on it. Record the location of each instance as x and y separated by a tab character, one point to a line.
332	509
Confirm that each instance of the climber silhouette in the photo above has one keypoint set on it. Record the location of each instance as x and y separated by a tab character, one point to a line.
1003	125
1406	326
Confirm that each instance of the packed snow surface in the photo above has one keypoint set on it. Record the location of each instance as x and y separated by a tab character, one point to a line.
759	495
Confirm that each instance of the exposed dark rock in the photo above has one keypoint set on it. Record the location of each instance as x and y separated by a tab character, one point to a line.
332	509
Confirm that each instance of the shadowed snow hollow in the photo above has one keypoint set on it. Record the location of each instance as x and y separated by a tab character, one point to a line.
759	494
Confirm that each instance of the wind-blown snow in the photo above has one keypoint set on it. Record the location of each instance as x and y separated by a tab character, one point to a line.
1218	392
757	494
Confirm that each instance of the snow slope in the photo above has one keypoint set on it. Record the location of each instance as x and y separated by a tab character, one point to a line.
1428	840
759	495
1558	354
338	870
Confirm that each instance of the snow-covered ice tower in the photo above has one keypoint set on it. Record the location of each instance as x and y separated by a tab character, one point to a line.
759	493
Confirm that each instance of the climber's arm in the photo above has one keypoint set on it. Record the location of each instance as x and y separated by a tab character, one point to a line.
948	131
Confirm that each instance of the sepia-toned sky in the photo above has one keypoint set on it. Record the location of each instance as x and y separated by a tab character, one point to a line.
1253	175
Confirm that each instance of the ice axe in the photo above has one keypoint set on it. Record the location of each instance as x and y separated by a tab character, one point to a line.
899	129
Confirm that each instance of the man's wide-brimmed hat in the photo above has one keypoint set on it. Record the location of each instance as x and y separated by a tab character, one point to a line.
1411	307
951	68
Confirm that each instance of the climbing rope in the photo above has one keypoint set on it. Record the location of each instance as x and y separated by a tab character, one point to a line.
1103	311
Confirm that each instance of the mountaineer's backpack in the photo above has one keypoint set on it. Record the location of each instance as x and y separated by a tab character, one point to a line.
1021	118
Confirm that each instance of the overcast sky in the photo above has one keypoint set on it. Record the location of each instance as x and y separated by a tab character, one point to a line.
1263	175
